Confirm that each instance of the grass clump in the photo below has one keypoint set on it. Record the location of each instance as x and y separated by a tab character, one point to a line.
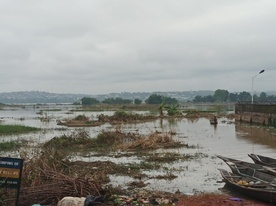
167	157
81	118
16	129
123	116
78	139
10	145
150	142
108	141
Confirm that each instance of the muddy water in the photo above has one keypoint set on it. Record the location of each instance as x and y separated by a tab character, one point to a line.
201	174
193	176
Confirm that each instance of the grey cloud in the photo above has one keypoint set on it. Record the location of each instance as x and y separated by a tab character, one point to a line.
136	45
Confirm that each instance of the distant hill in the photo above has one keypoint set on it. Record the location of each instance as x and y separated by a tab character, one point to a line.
39	97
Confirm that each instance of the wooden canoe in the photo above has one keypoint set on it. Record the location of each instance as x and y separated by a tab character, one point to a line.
263	160
248	186
252	173
258	167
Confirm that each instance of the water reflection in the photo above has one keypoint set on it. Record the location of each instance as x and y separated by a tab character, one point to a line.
226	137
256	135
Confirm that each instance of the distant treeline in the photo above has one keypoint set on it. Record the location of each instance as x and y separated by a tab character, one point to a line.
221	95
152	99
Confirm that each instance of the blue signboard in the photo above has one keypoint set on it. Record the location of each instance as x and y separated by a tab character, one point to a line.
10	172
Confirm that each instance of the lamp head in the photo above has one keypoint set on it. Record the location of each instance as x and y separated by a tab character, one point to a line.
261	71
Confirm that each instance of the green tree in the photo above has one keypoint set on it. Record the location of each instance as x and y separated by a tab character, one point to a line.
173	110
233	97
158	99
154	99
117	100
170	100
137	101
271	98
221	95
263	97
244	96
89	101
198	98
208	98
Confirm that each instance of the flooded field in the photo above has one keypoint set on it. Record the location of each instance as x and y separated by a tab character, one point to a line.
192	176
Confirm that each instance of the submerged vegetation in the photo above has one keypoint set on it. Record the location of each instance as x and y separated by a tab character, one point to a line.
119	116
51	168
52	172
112	141
10	145
16	129
124	116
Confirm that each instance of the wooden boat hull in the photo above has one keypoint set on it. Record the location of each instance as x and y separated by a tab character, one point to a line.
258	167
261	191
270	170
263	160
252	173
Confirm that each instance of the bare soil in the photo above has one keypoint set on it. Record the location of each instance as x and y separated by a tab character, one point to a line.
217	200
204	199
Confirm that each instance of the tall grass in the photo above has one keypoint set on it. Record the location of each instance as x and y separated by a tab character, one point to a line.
16	129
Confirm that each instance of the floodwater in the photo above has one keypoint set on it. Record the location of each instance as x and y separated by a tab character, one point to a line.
193	176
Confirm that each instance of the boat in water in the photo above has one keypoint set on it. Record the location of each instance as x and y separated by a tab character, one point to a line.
252	173
248	186
214	120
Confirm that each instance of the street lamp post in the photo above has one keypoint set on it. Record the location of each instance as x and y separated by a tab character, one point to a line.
262	71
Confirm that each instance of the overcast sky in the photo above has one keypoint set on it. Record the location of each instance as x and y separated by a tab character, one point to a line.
104	46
